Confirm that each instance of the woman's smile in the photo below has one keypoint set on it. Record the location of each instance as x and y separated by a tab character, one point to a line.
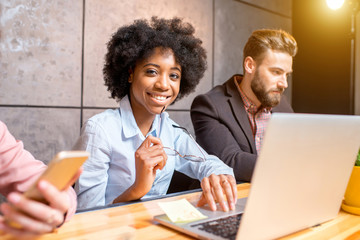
159	98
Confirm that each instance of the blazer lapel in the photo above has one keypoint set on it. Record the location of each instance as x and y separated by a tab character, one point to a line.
240	114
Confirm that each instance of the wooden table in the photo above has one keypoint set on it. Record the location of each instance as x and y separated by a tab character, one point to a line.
134	221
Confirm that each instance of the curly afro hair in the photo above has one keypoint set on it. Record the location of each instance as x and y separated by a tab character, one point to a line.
137	41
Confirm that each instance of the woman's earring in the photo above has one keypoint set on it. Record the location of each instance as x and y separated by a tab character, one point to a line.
130	78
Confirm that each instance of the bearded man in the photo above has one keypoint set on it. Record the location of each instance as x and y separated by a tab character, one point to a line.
230	120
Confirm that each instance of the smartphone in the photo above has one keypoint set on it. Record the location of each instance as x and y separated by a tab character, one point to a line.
60	172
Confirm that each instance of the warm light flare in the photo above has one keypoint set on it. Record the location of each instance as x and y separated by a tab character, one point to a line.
335	4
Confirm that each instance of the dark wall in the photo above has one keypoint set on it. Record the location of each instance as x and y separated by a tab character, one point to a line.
321	78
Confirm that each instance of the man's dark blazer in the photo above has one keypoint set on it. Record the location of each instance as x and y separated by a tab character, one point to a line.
223	129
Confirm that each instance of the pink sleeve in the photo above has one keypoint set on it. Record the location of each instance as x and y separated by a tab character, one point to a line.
19	169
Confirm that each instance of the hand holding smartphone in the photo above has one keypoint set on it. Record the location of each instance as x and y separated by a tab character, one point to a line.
60	172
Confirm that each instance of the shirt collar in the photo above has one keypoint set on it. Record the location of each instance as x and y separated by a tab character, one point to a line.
130	127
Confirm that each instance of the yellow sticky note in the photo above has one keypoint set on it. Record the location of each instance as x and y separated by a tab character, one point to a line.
181	211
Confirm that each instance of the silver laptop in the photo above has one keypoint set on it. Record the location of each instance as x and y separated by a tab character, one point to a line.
299	179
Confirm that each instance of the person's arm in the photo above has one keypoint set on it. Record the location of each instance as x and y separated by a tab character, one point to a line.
91	185
217	139
18	170
217	179
149	157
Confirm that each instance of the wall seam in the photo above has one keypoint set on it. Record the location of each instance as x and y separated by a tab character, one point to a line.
82	65
213	47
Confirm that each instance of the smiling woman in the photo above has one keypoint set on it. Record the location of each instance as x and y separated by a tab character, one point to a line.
149	65
155	84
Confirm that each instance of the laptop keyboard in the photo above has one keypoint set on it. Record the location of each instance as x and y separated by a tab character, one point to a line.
224	227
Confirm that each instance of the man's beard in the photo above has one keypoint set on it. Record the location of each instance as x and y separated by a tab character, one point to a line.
266	98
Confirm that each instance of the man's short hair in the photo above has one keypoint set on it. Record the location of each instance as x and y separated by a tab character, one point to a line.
274	39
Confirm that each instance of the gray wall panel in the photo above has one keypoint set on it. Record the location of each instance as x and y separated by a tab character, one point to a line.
40	45
44	131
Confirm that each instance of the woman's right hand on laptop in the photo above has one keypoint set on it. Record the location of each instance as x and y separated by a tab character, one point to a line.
215	189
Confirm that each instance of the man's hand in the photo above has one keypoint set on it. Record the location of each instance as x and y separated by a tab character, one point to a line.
24	217
221	189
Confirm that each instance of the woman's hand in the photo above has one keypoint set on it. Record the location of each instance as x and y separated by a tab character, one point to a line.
149	157
219	188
